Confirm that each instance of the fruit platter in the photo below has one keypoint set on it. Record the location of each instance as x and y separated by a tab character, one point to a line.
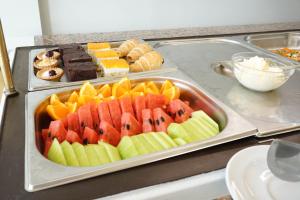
96	129
72	64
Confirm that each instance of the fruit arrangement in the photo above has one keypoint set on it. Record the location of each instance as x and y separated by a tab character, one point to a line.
100	125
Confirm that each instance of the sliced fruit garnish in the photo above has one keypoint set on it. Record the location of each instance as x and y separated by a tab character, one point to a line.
125	83
172	93
166	85
71	106
88	90
153	87
57	111
54	99
118	90
135	94
73	97
84	99
105	90
141	87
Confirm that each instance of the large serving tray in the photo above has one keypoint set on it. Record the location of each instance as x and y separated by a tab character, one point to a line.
272	112
35	83
274	41
41	173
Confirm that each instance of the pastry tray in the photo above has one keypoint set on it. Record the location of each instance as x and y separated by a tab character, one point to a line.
34	83
41	173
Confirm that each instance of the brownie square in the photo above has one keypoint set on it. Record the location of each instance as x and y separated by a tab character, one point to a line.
77	57
69	48
81	71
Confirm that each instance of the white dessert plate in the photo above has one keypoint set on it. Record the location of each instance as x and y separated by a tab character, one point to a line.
249	178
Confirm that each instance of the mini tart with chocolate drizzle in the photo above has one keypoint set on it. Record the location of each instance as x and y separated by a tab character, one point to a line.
50	74
48	54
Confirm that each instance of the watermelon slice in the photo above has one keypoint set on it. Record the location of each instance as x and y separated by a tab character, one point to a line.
161	120
45	134
148	123
115	113
90	136
155	101
72	137
65	121
126	105
85	118
73	123
139	105
130	126
109	133
48	143
103	112
57	130
179	110
95	116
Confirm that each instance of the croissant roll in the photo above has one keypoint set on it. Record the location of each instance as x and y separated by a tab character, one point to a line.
126	47
138	51
150	61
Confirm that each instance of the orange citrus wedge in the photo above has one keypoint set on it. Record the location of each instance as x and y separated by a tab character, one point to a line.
57	111
54	99
141	87
125	83
105	90
153	88
135	94
118	90
172	93
126	94
84	99
166	85
73	97
71	106
87	90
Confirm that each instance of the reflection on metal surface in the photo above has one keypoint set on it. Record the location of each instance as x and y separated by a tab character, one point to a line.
38	168
272	113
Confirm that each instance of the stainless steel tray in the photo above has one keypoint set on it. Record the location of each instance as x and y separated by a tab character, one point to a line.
35	83
273	41
272	112
41	173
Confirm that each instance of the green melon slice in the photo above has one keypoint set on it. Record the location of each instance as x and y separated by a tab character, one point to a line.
145	142
176	130
203	130
205	127
167	139
160	140
179	141
126	148
69	154
102	155
140	147
56	154
80	154
202	115
150	139
111	151
92	155
193	129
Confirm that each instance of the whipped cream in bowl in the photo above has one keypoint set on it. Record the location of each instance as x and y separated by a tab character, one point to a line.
261	72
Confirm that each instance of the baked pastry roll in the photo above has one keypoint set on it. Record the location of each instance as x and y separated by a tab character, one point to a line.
138	51
149	61
127	46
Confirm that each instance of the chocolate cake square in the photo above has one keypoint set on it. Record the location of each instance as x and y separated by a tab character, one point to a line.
70	48
77	57
81	71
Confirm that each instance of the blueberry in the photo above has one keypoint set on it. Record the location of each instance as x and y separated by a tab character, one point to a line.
52	73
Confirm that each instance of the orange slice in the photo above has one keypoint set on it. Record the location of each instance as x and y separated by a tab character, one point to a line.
54	99
125	83
84	99
105	90
71	106
126	94
73	97
57	111
166	85
135	94
109	98
87	90
153	87
172	93
141	87
118	90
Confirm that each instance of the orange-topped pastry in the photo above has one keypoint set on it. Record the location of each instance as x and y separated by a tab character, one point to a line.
98	45
114	67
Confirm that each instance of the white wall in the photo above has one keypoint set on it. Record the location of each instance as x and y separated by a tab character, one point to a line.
78	16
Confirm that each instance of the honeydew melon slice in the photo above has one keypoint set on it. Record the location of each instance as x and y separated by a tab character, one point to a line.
92	155
69	154
202	115
203	128
145	142
127	148
150	139
192	130
101	153
80	154
167	139
160	140
176	130
179	141
111	151
56	154
140	146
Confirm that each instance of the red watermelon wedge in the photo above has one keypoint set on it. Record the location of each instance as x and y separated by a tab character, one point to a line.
179	110
139	104
161	120
126	105
103	111
156	101
85	117
130	126
148	123
57	130
95	116
73	123
109	133
45	134
72	137
47	146
90	136
115	113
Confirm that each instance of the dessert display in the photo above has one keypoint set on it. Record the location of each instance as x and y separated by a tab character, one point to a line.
48	54
149	61
98	125
138	51
112	67
50	74
293	54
